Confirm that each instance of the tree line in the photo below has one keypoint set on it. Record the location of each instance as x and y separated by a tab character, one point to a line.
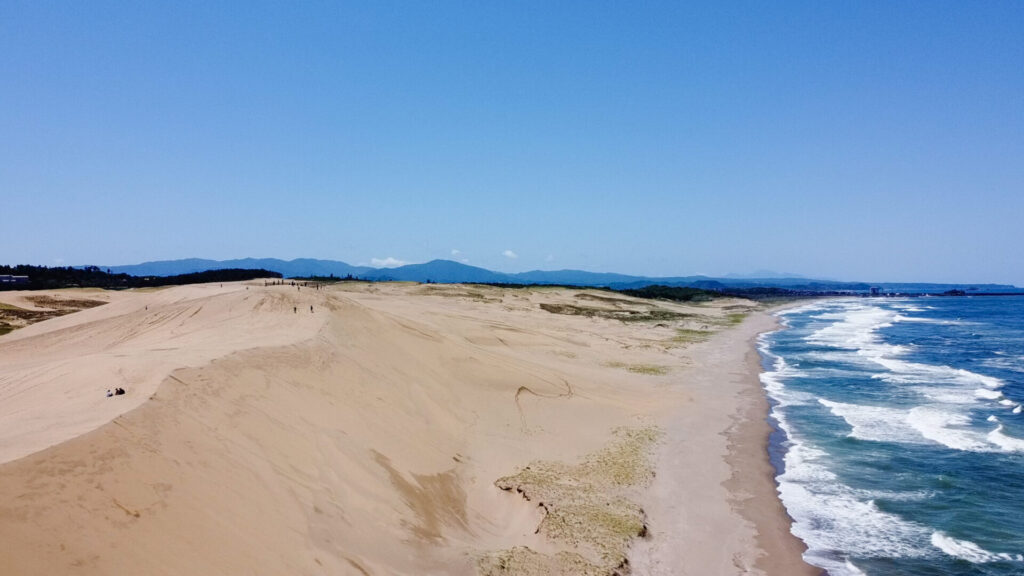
47	278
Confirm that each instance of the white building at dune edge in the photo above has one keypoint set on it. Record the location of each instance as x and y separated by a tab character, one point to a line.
7	279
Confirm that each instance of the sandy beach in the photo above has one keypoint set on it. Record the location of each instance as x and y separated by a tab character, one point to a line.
387	429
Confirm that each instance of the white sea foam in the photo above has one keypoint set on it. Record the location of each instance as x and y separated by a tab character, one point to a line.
830	373
1007	402
1005	442
830	516
876	423
1003	362
833	565
773	380
830	316
856	323
903	372
802	309
851	569
923	320
837	357
1017	409
946	428
833	519
780	394
988	394
947	395
875	495
857	330
967	550
920	425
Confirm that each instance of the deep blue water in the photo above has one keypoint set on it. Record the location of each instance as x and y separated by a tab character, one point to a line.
901	434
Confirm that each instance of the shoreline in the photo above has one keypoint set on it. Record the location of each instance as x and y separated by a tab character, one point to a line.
713	507
749	456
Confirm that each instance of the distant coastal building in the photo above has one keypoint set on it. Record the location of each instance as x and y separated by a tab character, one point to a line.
874	290
7	279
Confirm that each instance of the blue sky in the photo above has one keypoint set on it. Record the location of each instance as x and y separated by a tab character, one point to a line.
851	140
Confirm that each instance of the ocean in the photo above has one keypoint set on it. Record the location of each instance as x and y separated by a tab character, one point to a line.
900	433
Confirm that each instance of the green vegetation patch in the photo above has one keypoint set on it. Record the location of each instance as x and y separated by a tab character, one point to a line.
573	310
658	315
583	507
734	318
42	277
606	299
653	315
689	336
456	292
675	293
649	369
522	561
72	304
13	317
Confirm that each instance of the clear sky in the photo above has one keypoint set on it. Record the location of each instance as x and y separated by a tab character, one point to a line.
875	141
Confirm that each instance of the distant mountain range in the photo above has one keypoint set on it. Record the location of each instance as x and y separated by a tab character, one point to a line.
288	268
447	271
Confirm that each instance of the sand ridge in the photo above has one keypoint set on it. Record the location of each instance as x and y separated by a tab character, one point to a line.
363	438
55	374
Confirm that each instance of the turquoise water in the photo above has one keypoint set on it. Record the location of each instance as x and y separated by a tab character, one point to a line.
900	441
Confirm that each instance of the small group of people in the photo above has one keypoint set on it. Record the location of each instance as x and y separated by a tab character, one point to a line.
298	285
116	392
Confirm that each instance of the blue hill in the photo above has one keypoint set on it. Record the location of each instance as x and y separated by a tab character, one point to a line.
442	271
289	268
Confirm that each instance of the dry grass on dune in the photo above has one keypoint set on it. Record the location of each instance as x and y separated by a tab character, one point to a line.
45	306
584	507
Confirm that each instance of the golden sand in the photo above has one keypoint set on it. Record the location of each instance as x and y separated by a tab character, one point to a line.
390	429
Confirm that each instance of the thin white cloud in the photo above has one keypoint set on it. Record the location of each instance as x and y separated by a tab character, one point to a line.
510	254
456	252
388	262
550	258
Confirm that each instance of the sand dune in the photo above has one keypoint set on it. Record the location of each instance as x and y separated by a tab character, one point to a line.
55	373
366	436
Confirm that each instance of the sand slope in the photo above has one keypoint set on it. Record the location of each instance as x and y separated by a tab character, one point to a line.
54	374
362	438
